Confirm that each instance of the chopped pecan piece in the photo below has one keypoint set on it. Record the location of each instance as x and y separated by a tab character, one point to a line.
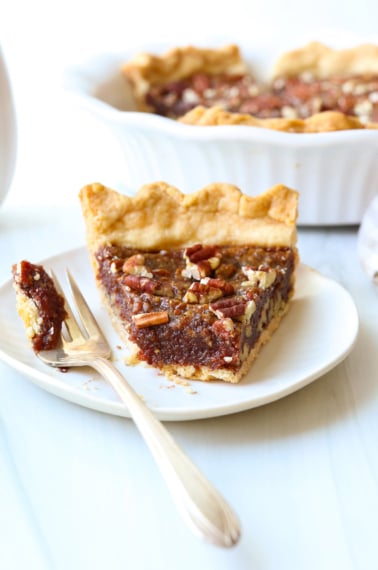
233	308
259	278
116	265
201	260
135	265
230	308
150	319
226	288
224	327
160	272
199	252
140	283
207	290
147	285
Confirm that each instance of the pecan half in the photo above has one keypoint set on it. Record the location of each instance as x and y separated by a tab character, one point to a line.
144	320
140	283
226	288
202	293
147	285
135	265
199	252
233	308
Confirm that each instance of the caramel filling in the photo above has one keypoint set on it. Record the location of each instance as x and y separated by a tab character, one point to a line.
294	97
202	306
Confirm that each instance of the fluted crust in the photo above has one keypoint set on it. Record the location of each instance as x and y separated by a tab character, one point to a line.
159	216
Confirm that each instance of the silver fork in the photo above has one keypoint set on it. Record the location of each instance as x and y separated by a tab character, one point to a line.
204	510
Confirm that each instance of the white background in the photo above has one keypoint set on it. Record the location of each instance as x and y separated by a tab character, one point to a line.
40	38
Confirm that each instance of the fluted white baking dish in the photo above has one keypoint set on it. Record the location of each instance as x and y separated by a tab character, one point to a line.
336	173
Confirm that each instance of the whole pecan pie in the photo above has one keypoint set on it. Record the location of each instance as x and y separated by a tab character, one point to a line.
311	89
195	283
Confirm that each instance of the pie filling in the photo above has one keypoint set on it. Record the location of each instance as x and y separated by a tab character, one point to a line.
288	97
39	305
200	307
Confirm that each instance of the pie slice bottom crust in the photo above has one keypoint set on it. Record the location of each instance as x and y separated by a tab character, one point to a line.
195	284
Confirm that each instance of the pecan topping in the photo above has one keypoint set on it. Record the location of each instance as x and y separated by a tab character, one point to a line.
116	265
207	290
223	327
140	283
199	252
256	278
160	272
226	288
201	260
134	265
147	285
292	97
150	319
233	308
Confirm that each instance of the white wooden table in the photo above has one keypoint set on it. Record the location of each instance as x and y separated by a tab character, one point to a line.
78	488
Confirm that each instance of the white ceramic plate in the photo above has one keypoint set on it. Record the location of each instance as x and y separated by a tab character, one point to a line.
317	334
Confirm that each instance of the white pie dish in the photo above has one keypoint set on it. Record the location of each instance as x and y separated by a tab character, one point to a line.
8	131
336	173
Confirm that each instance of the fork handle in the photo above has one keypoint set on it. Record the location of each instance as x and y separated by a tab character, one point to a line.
205	511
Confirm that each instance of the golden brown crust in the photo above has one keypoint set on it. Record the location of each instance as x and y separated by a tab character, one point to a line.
146	69
323	61
160	217
320	122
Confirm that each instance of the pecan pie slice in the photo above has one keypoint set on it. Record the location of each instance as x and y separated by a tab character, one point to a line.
195	283
311	89
39	305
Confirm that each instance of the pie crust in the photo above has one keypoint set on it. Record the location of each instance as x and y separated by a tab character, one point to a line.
323	61
161	221
160	216
147	70
326	121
